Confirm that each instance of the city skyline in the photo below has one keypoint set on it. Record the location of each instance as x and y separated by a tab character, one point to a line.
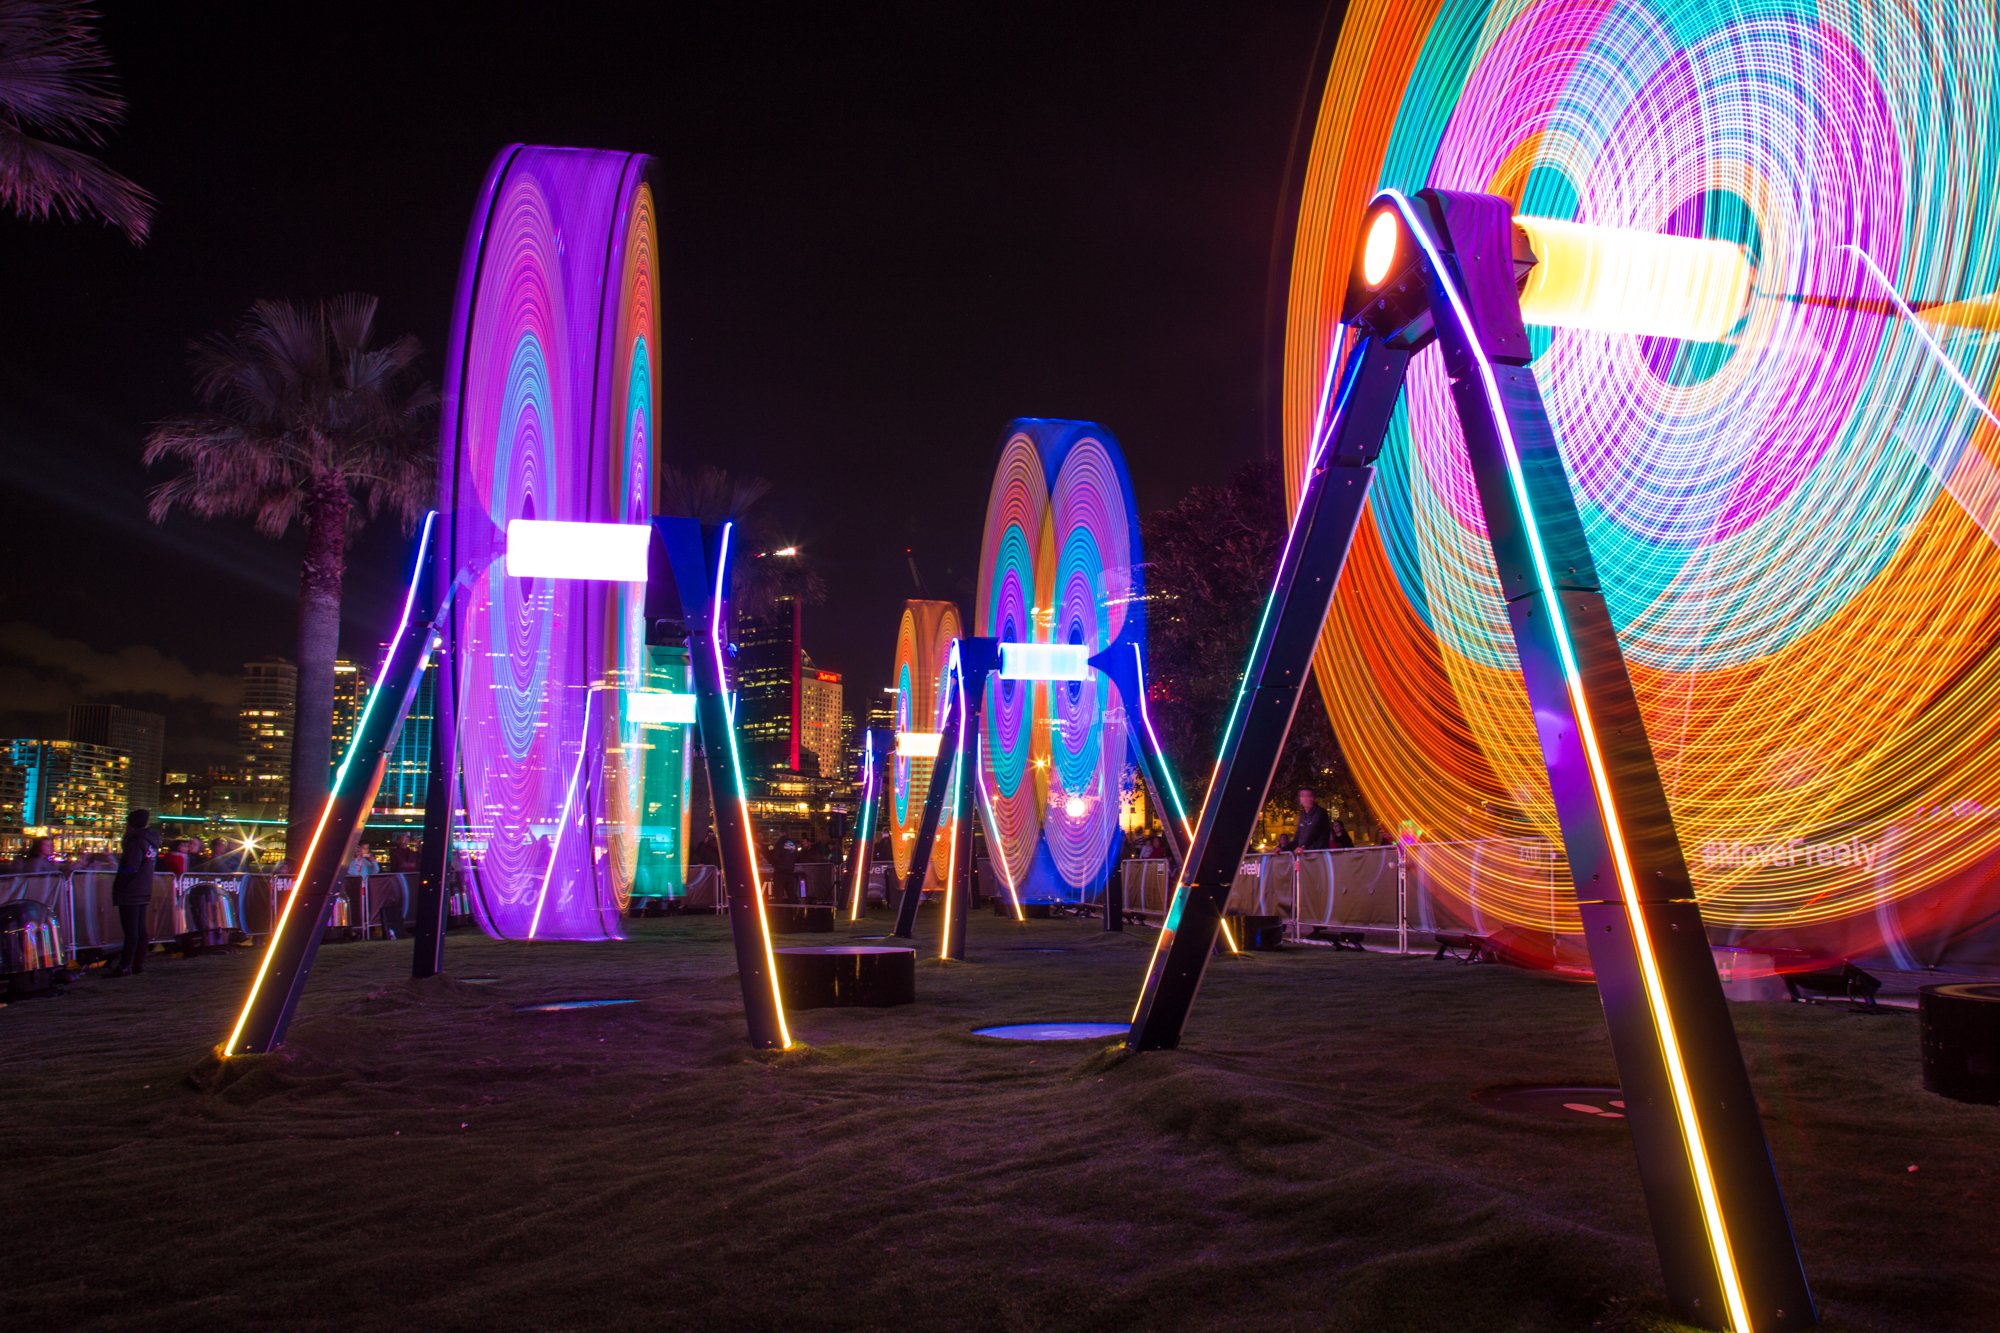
1160	202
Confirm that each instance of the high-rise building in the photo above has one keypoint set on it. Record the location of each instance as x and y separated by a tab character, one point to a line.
140	736
72	791
788	709
13	796
350	692
216	794
820	718
769	668
406	780
264	723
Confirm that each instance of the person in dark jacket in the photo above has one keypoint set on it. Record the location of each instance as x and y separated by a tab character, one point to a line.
132	889
1315	829
1341	837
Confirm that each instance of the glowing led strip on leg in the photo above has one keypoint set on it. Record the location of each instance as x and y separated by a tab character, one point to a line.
1236	706
956	690
999	845
1649	969
743	797
1167	781
861	843
417	576
562	820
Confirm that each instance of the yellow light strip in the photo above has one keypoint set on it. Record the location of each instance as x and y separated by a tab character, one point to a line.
277	931
742	798
957	774
1649	971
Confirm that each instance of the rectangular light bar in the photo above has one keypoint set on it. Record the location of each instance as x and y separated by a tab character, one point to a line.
1619	281
659	708
1044	661
540	548
918	744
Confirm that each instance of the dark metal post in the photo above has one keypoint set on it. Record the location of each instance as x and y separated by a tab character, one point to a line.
1280	664
1719	1218
686	589
920	855
433	909
294	943
978	659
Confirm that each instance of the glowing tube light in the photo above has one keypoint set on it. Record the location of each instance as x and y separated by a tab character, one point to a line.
957	690
1649	968
562	820
418	574
1045	661
918	744
861	842
604	552
715	640
999	844
1618	281
659	708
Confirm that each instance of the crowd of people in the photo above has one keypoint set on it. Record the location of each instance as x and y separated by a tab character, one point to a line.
144	852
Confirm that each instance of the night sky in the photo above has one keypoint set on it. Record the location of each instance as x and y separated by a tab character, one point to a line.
887	230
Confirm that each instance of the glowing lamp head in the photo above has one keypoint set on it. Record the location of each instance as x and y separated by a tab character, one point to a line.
1075	808
1378	249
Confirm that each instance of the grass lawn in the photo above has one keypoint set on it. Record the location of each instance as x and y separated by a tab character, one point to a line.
422	1155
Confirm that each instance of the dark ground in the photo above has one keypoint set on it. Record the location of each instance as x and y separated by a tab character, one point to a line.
424	1156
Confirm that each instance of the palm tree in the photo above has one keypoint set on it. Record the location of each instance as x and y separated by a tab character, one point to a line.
306	420
55	85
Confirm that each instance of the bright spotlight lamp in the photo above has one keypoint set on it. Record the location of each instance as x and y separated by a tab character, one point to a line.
1576	275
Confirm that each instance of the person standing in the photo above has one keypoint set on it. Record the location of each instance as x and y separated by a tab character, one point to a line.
132	889
1315	831
1341	837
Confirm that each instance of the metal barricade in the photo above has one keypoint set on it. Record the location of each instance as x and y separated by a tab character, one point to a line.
1148	884
52	889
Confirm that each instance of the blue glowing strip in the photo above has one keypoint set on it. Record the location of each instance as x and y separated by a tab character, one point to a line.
417	575
1229	731
1649	970
742	796
1159	755
955	692
862	843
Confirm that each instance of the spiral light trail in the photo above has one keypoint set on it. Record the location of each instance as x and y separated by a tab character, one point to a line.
1791	523
923	657
552	414
1059	563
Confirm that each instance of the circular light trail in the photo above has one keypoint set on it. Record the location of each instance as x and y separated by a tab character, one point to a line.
923	657
1794	526
1059	563
552	391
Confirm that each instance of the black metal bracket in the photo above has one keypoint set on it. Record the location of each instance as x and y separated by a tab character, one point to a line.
1719	1220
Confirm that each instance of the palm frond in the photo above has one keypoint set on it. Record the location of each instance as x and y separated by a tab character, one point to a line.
39	179
301	411
54	74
